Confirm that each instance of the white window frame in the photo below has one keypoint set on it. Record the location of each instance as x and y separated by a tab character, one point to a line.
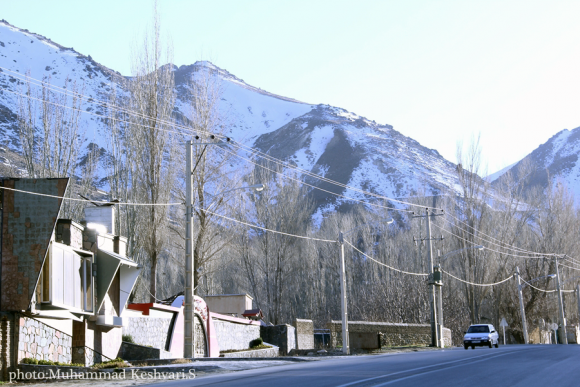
86	259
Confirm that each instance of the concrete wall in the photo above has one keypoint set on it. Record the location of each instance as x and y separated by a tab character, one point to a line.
234	333
103	215
39	341
304	334
148	331
363	334
235	304
282	336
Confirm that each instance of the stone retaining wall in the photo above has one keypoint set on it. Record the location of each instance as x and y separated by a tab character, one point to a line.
267	352
304	334
148	331
39	341
232	335
364	334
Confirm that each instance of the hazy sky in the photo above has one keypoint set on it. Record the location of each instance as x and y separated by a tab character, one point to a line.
439	71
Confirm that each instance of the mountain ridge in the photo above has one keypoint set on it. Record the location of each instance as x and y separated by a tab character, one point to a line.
330	141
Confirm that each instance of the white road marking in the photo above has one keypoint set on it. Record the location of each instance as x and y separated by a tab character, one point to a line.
486	356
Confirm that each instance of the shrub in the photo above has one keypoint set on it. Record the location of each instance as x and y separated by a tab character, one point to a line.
128	339
256	343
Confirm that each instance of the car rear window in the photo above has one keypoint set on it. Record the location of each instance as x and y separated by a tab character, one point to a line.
478	329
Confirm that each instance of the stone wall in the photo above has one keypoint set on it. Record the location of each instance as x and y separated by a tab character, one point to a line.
148	331
304	334
391	334
39	341
266	352
282	336
232	335
573	333
447	337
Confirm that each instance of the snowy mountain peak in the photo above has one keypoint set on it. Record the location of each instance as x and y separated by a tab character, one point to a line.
329	141
556	158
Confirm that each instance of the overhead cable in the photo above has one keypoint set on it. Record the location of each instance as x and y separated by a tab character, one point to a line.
91	201
487	248
383	264
476	284
191	130
169	204
532	286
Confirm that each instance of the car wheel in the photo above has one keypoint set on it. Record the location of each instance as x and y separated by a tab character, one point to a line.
497	343
466	346
473	347
490	345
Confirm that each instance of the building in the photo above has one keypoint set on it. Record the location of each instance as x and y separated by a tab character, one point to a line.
63	285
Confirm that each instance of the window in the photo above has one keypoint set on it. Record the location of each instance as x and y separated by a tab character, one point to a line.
478	329
67	279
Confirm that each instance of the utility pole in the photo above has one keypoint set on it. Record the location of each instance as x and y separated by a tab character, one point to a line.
522	311
189	325
562	330
345	338
435	342
438	282
578	299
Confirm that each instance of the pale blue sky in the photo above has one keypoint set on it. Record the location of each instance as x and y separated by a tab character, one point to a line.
438	71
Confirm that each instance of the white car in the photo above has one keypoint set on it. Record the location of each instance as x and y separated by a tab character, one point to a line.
480	335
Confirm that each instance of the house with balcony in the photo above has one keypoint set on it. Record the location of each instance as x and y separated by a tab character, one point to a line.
63	285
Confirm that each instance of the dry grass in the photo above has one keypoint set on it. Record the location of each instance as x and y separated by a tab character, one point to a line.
181	361
261	346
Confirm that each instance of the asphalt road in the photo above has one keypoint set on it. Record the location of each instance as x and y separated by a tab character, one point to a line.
514	365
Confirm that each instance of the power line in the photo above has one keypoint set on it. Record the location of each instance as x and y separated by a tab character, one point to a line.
169	204
90	201
383	264
532	286
313	186
191	130
233	153
495	251
473	283
241	146
569	267
266	229
511	247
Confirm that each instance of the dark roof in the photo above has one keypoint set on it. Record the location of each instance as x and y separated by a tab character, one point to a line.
253	313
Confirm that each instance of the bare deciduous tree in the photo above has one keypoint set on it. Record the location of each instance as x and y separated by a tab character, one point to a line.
150	147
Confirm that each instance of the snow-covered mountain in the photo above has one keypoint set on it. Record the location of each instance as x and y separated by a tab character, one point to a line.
326	140
556	158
